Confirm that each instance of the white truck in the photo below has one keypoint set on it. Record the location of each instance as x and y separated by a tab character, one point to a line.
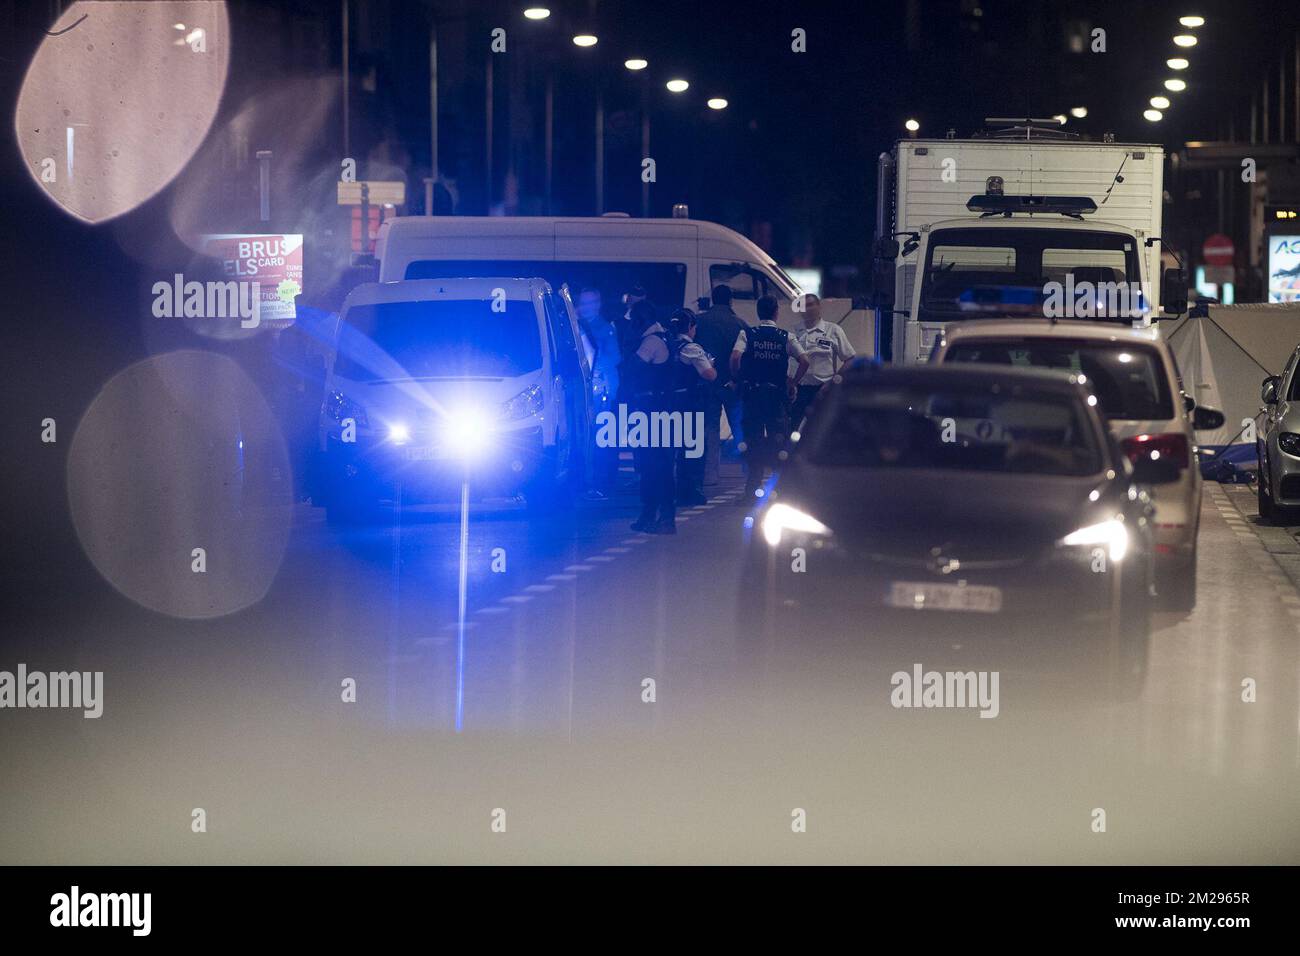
983	227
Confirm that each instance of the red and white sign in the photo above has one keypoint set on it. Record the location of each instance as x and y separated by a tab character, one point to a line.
1218	250
272	261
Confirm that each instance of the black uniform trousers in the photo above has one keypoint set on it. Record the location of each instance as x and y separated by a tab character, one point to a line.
767	423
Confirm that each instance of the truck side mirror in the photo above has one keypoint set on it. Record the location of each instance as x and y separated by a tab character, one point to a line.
1207	419
1268	390
1173	292
886	249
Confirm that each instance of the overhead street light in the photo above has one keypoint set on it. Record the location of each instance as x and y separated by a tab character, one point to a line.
1160	102
584	39
636	63
1176	85
1079	112
1177	63
717	103
537	13
1185	40
1154	116
912	126
677	86
1192	21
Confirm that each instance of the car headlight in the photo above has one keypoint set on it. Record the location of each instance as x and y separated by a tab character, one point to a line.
529	402
339	407
1289	442
1110	534
780	518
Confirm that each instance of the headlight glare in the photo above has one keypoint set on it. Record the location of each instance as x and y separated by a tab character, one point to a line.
1110	534
781	517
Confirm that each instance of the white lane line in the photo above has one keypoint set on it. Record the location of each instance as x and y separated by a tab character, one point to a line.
617	550
539	588
561	577
492	609
636	540
518	598
578	567
599	557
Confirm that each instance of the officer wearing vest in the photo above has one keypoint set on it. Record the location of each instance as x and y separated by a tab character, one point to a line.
693	371
761	363
649	374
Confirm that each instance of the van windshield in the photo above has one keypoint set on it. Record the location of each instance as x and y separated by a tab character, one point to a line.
459	338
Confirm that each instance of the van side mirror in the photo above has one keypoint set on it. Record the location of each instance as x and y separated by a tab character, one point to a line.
1268	390
1207	419
1173	292
1189	404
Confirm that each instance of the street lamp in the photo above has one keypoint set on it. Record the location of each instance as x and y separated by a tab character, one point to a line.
537	13
1160	102
1176	85
912	126
1185	40
677	86
1154	116
636	63
717	103
584	39
1079	112
1060	118
1177	63
1192	21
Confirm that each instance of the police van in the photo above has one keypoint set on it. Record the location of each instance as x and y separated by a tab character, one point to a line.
437	383
677	261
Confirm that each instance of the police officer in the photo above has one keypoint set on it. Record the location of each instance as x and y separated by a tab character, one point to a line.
648	376
605	360
692	372
761	363
827	348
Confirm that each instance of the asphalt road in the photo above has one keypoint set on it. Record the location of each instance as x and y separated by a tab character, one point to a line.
244	717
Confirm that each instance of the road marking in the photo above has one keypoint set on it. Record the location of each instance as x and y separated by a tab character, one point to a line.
561	577
518	598
492	609
599	557
617	550
539	588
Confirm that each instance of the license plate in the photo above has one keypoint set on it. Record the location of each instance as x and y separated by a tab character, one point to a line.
428	453
926	596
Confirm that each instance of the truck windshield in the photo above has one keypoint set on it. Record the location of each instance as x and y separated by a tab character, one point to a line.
449	339
1000	271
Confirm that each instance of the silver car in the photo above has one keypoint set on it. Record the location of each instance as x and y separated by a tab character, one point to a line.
1278	444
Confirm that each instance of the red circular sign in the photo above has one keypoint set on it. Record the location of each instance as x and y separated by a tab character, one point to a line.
1218	250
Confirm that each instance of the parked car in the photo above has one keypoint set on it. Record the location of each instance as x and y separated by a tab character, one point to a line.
971	513
1278	444
1133	374
440	382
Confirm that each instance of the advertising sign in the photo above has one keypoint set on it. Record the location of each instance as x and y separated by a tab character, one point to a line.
1283	268
272	261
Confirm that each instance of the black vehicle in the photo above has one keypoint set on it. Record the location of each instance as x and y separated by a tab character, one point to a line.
964	513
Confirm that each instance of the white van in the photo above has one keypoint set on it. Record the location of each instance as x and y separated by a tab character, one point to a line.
677	261
436	382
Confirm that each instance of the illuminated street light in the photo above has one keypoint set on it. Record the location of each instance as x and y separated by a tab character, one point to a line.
912	126
1192	21
537	13
717	103
1060	118
1175	85
584	39
677	86
1154	116
636	63
1160	102
1185	39
1079	112
1177	63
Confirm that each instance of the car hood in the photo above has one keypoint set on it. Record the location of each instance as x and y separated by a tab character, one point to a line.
978	514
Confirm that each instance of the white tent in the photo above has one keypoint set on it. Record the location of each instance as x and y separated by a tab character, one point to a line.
1225	357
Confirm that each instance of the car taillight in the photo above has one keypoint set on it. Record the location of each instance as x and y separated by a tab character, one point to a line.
1171	447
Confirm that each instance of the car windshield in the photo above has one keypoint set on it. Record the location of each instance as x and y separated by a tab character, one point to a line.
1007	271
1129	382
1011	430
459	338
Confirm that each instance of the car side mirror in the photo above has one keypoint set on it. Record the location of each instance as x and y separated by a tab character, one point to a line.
1207	419
1173	292
1268	390
1155	471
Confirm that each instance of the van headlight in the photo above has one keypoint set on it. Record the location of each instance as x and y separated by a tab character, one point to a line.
339	407
1111	535
527	403
780	518
1289	442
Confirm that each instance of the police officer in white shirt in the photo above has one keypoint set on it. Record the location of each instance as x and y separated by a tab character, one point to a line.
827	348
